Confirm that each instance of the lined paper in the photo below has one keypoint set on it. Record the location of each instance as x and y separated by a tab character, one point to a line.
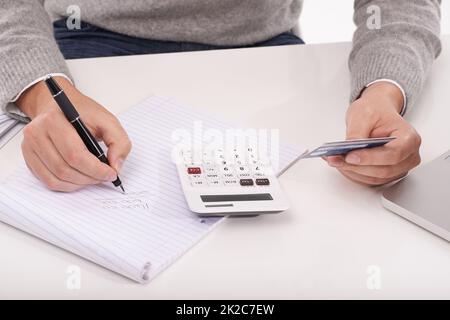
140	233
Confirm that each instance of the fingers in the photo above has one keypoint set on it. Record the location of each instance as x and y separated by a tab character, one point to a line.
406	143
57	155
382	164
388	172
335	161
42	173
360	122
53	161
376	114
74	152
115	137
379	166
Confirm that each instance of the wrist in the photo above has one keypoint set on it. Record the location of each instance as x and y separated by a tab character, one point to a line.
386	92
38	99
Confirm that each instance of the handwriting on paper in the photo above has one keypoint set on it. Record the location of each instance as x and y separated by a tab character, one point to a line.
132	200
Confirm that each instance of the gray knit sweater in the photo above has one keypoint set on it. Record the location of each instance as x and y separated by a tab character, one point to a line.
402	49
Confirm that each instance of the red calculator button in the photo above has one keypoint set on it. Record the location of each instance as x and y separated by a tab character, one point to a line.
194	170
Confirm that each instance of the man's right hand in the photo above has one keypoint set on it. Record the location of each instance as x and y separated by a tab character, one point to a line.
55	153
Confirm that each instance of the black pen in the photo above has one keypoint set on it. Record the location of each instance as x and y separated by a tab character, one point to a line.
74	118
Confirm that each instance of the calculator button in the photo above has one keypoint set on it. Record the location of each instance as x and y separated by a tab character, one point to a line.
230	182
198	183
262	182
219	157
246	182
253	156
193	163
208	155
190	157
241	169
194	170
257	171
226	169
229	175
236	155
214	183
212	176
186	153
210	169
187	159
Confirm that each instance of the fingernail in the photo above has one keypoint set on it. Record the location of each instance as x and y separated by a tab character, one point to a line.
353	159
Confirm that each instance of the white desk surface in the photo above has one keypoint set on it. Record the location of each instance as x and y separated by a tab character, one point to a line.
320	248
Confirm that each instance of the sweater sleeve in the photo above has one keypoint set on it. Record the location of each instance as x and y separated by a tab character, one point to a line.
28	50
400	43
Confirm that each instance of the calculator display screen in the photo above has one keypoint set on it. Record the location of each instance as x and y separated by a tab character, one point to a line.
236	197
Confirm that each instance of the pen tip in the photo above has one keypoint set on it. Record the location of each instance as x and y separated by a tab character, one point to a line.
123	190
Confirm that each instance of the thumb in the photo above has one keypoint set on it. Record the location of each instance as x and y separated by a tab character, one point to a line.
116	139
359	125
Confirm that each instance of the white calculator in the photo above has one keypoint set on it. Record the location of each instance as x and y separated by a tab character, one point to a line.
218	183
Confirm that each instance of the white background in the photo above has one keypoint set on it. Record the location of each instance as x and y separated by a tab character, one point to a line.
332	21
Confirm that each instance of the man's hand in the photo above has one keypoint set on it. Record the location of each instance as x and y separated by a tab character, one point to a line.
52	148
376	114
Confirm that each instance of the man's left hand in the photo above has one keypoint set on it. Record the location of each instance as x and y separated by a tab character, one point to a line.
377	114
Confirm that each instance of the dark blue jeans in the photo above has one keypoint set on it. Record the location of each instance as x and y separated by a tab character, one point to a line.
92	41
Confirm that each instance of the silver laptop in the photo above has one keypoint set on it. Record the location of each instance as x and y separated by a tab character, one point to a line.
423	197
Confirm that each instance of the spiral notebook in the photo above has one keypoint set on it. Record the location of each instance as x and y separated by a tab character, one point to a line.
9	127
138	234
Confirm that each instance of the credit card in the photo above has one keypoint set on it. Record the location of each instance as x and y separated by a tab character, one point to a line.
343	147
